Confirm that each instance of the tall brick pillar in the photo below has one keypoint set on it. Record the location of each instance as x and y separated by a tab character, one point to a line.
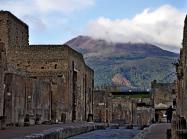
2	68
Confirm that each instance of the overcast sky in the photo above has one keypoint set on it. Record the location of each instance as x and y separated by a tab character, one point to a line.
158	22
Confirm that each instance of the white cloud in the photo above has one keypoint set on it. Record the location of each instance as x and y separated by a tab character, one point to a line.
162	26
44	15
62	5
31	7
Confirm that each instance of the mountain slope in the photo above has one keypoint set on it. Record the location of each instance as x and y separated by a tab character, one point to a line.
125	64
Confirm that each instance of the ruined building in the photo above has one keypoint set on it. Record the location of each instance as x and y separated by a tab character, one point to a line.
102	106
41	82
179	130
123	107
164	96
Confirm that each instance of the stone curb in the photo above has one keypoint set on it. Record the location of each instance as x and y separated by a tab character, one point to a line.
64	132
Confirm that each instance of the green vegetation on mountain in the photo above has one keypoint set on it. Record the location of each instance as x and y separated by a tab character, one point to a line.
126	64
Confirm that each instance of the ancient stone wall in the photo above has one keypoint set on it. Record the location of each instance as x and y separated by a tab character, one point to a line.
179	120
71	81
163	93
13	32
100	105
41	60
89	90
80	86
58	99
41	99
3	29
2	70
145	115
14	99
55	63
76	86
122	110
184	68
25	96
181	83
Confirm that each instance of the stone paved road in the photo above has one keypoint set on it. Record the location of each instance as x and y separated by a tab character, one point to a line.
158	131
121	133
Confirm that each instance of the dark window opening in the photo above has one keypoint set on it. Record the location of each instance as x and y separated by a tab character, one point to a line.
173	91
42	67
174	102
55	66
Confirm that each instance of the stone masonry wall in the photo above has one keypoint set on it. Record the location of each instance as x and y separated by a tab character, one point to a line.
13	32
14	98
100	101
26	96
163	93
90	85
81	89
54	63
2	70
41	60
122	110
179	121
71	81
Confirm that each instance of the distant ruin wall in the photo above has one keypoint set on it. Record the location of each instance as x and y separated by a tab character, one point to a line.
163	93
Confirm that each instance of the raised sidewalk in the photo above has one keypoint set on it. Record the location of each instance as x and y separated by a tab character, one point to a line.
155	131
55	131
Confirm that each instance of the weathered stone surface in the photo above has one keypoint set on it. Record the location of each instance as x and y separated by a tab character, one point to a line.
100	106
179	120
45	82
163	93
25	96
69	131
120	109
2	70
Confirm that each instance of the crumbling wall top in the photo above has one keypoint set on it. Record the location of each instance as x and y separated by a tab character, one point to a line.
9	14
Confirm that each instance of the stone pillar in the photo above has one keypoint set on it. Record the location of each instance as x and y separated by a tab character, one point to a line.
2	68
